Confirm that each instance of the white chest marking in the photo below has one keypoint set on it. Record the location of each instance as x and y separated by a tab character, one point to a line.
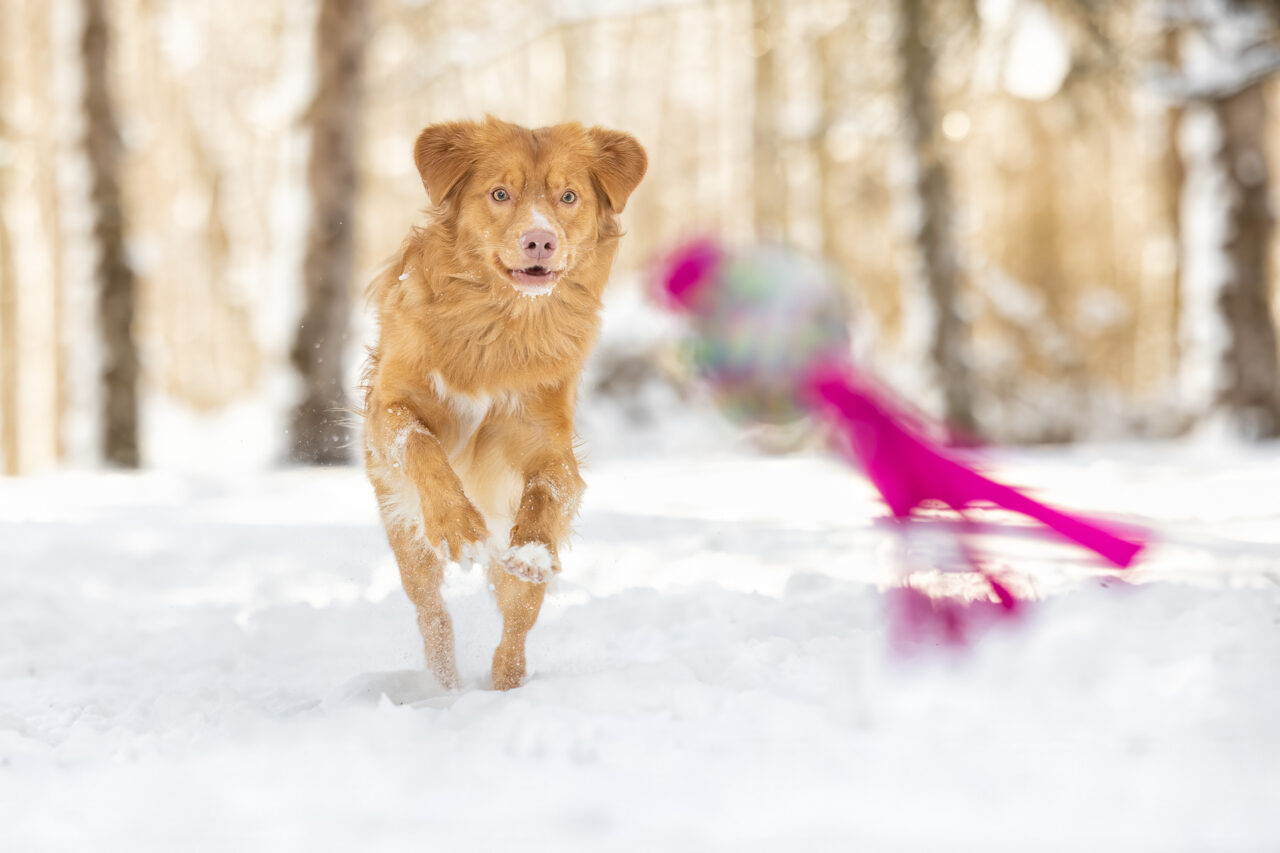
472	409
469	410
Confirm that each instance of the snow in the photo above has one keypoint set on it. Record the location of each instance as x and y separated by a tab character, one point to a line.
540	221
179	437
210	662
531	561
534	292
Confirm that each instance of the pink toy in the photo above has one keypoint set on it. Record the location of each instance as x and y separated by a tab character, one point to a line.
772	341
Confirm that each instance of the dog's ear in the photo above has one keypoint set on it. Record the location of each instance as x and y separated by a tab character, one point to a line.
620	164
444	154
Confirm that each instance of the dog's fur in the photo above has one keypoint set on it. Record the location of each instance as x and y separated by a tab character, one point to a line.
470	391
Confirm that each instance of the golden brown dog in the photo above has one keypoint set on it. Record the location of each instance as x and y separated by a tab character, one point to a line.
485	322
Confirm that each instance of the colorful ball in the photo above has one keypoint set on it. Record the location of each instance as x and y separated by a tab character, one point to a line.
764	319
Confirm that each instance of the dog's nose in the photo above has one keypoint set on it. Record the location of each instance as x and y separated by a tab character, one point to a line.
538	245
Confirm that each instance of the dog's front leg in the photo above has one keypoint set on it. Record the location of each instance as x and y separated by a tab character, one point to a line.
426	522
552	492
451	524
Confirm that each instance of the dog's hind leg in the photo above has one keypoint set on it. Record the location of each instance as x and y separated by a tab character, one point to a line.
520	601
421	573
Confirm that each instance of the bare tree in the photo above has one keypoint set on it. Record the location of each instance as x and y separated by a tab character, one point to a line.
115	278
931	294
319	433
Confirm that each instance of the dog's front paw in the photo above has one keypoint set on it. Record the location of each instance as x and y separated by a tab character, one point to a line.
531	562
457	530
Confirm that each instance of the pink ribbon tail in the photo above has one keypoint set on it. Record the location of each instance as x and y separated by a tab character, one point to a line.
909	469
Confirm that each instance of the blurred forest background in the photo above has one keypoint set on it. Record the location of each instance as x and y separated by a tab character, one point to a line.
1055	217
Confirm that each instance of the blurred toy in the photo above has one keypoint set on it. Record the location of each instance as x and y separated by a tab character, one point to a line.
763	319
771	339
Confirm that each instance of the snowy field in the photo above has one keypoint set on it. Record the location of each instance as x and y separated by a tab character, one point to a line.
193	663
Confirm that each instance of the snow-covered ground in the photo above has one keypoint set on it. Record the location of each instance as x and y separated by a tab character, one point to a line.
195	664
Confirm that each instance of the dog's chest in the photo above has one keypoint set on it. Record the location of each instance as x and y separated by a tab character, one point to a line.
471	410
487	478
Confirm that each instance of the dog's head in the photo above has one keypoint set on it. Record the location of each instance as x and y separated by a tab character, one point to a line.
528	206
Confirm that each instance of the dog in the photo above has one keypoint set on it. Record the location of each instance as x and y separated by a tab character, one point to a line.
485	322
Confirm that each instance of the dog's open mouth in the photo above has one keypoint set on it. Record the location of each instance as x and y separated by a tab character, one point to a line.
536	279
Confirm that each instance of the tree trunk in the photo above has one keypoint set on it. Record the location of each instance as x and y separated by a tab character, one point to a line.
1253	371
320	430
829	60
1230	365
116	283
41	24
1229	370
9	436
8	287
769	184
932	324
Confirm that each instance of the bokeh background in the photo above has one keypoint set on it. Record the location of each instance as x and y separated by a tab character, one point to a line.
1055	218
1053	221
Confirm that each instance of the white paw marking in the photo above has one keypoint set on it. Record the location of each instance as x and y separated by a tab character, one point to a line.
531	562
469	554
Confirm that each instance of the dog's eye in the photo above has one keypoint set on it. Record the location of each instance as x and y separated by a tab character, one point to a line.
569	197
500	194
